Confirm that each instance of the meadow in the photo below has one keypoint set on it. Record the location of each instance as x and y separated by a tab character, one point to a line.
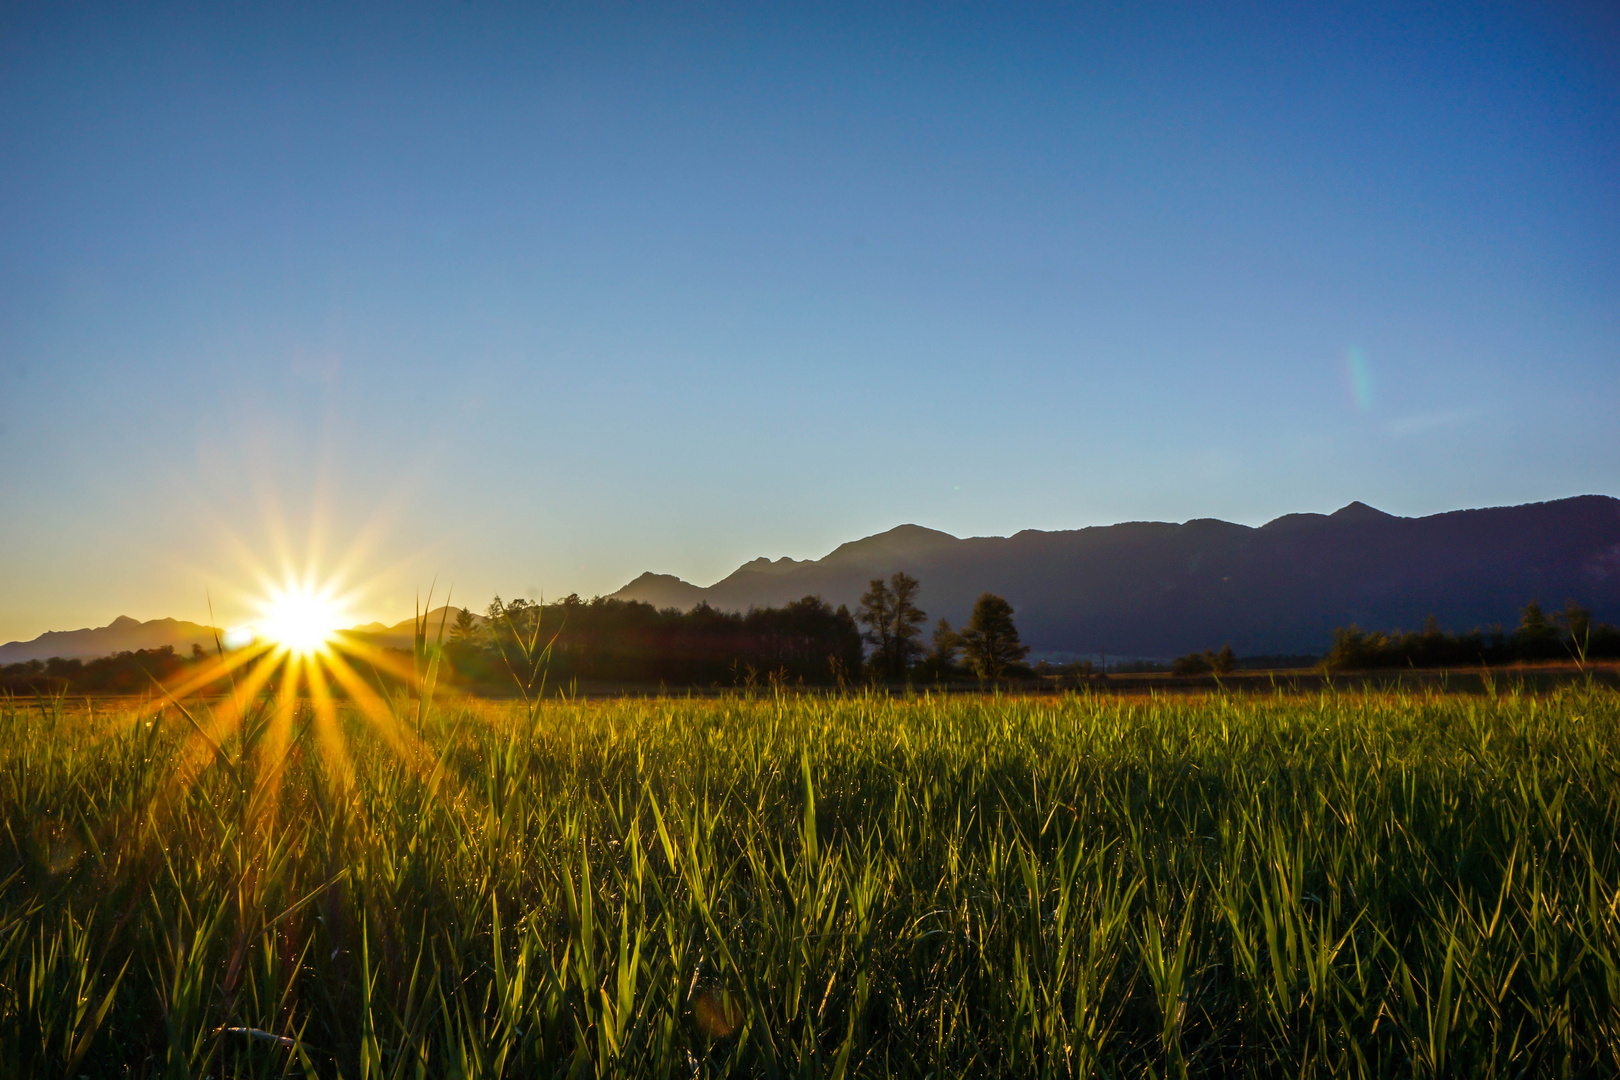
768	884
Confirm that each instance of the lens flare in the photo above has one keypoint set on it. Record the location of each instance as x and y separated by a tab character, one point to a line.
1361	389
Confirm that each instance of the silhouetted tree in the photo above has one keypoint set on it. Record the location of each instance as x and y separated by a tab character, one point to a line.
1537	637
466	650
941	659
494	619
990	639
1577	622
874	614
1195	663
892	620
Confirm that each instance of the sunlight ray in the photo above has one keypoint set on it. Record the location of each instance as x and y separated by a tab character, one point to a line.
389	660
273	755
219	668
373	708
328	730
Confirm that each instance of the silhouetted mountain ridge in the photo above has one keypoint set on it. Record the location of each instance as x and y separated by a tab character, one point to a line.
1141	588
125	634
1160	589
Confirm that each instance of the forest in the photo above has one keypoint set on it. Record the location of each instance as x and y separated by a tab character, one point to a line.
617	641
1569	635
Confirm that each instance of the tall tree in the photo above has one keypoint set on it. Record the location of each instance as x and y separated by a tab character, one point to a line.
942	657
1537	637
990	639
464	629
1578	621
908	621
889	612
495	623
874	613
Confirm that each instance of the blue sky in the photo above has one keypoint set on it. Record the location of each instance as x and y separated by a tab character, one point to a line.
535	299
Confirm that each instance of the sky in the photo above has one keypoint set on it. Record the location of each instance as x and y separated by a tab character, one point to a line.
531	299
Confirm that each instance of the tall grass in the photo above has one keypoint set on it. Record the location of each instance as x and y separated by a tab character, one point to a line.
1340	885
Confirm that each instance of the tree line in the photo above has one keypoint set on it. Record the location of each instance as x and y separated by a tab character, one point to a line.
123	673
1566	635
807	641
626	641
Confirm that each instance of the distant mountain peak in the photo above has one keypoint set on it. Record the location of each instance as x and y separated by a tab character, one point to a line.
765	565
661	591
649	578
901	542
913	533
123	622
1360	511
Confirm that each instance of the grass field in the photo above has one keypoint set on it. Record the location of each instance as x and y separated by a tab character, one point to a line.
1354	884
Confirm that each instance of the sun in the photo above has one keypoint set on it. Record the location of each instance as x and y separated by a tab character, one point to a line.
300	618
286	671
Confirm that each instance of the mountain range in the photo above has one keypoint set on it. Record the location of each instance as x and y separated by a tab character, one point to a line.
1143	589
1155	589
125	634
